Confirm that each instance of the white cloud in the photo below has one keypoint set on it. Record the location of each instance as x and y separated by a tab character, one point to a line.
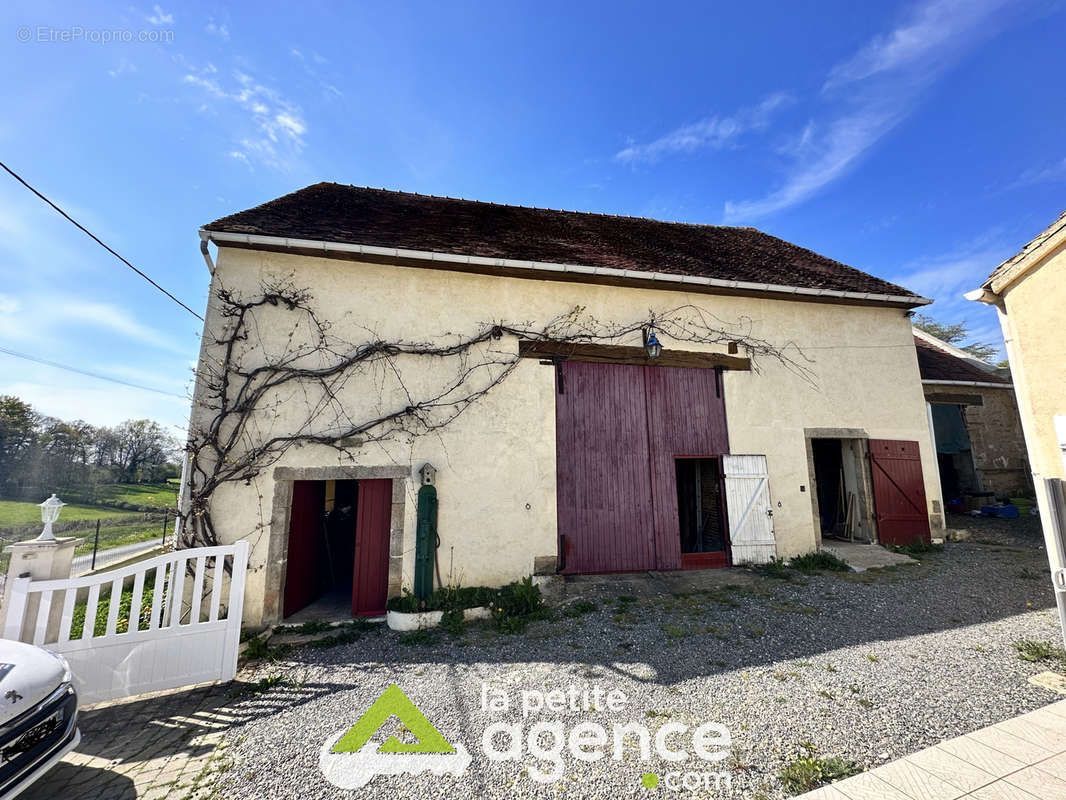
9	304
946	277
217	29
933	32
109	317
124	66
844	140
870	94
710	133
1047	174
160	17
271	128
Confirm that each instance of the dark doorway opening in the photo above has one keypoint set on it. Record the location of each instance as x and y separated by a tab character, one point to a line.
700	513
338	547
829	482
954	455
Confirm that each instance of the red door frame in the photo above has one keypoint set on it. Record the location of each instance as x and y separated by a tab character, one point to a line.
373	523
899	492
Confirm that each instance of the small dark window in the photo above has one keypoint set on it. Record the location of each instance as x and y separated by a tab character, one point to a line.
699	505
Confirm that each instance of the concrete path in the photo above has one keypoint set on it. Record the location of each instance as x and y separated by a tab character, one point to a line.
861	557
1021	759
104	557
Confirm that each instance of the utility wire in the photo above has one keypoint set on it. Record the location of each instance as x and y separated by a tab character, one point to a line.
68	368
96	239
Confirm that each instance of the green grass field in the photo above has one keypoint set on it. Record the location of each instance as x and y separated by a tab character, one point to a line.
161	495
16	513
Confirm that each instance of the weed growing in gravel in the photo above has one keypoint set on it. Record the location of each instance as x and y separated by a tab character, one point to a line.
774	568
580	608
808	771
311	626
862	701
820	561
674	631
1034	650
919	547
516	605
872	658
423	636
830	668
453	622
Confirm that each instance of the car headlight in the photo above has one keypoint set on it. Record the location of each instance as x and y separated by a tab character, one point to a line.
66	667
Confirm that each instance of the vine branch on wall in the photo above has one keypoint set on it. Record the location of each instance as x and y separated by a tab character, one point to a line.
255	400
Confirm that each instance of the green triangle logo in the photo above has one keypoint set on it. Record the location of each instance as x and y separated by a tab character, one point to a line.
393	703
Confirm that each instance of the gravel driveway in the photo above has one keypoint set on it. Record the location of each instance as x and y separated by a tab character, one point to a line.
868	667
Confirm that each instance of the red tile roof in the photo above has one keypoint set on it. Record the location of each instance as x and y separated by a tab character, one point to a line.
332	212
936	364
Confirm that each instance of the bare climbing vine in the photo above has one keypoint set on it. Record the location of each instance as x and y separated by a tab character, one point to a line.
351	394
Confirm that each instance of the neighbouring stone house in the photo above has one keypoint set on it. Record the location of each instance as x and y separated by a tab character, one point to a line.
597	394
978	433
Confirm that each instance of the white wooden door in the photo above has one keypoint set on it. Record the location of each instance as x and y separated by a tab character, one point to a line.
751	521
187	632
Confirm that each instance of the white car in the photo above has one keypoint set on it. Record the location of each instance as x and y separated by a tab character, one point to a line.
38	714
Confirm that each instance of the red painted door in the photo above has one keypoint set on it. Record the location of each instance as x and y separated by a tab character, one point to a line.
686	417
899	492
306	545
602	468
373	520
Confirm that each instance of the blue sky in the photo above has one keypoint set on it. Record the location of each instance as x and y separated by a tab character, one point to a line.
921	142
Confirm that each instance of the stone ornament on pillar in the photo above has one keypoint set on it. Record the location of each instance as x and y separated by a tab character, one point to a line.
50	509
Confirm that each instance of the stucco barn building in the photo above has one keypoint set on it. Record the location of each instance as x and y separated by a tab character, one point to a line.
977	429
785	402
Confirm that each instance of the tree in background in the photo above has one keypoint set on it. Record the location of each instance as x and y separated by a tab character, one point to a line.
18	435
954	334
44	454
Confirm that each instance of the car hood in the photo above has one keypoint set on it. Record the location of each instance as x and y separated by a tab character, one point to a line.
28	675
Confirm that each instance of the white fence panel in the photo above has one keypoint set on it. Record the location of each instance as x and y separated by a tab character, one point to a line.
184	640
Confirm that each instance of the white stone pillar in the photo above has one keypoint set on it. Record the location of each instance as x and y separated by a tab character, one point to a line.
40	561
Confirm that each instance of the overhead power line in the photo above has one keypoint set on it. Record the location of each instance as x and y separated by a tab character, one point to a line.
97	375
96	239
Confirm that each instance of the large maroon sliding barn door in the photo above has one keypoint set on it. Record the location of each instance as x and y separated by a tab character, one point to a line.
686	417
306	545
899	492
373	520
618	431
605	510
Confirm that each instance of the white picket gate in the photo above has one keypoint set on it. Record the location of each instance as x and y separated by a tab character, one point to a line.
186	639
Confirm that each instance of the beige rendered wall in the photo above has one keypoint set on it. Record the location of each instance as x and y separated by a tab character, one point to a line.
1035	311
496	463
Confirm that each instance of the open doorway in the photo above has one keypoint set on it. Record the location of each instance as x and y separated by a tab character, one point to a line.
337	558
959	477
840	488
699	507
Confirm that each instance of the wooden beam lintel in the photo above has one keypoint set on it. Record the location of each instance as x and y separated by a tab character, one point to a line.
618	354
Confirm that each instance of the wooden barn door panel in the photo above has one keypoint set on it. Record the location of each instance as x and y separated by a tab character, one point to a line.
899	492
751	518
373	521
604	505
686	416
306	545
